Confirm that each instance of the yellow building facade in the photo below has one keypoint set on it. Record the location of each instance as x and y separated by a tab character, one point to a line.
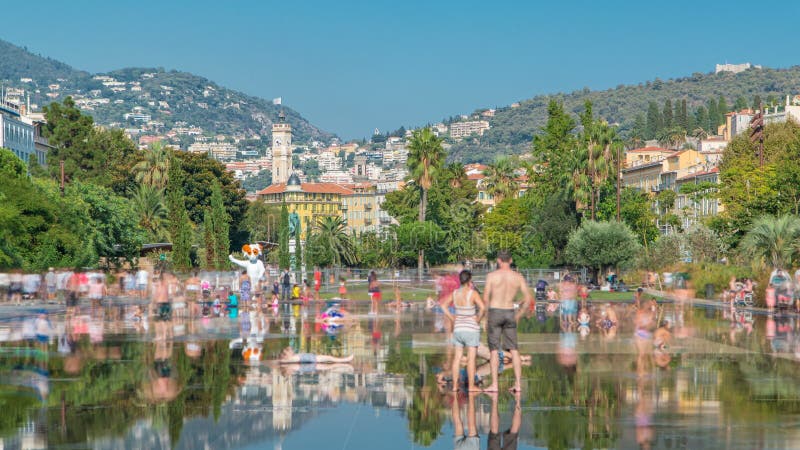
310	201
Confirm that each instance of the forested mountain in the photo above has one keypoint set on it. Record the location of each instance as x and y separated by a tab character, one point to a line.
170	98
512	128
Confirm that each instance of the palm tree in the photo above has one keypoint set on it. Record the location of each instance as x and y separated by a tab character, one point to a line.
672	137
454	172
426	155
330	235
148	204
699	133
153	169
773	241
501	179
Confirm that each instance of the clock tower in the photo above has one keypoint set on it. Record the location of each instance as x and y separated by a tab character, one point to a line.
281	150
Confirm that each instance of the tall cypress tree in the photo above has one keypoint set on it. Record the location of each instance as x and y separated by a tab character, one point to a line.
667	114
722	109
701	118
757	102
654	121
209	239
220	223
683	117
711	118
283	238
180	226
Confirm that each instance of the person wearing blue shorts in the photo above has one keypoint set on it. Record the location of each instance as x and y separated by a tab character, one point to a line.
466	328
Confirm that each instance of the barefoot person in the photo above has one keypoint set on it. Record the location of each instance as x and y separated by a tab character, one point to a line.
466	331
502	286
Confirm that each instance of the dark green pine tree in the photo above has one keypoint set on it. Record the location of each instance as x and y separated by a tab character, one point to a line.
740	103
220	223
283	238
654	121
757	102
667	114
682	117
639	128
180	227
711	117
722	109
701	118
209	239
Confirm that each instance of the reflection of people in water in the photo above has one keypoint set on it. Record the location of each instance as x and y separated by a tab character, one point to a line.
288	356
508	440
161	384
470	439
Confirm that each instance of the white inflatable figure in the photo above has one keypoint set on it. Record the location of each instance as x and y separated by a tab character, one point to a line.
253	265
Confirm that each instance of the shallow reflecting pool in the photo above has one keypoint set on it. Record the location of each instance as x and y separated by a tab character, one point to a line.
108	378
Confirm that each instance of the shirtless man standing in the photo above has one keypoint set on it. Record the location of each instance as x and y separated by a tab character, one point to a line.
502	286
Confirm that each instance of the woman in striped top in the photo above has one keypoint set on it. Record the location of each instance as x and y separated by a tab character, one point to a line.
466	328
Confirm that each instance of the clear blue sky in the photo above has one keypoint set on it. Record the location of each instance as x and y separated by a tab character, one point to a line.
350	67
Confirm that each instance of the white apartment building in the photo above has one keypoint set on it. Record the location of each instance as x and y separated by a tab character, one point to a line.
460	130
217	150
337	177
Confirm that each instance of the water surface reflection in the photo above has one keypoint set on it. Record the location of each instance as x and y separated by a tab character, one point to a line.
116	377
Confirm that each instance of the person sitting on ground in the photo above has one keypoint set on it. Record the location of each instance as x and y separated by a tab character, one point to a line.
288	356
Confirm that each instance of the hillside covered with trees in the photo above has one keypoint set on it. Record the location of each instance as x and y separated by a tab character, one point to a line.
169	97
693	101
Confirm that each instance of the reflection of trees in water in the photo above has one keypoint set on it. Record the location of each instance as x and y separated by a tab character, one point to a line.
426	415
597	401
101	399
757	388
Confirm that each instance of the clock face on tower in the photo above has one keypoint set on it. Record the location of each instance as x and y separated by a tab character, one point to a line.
277	142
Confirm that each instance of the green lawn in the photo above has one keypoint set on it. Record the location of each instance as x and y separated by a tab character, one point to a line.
610	296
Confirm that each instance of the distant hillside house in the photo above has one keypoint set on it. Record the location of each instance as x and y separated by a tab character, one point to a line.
735	68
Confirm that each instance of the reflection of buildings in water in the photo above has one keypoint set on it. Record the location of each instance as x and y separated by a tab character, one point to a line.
281	402
31	435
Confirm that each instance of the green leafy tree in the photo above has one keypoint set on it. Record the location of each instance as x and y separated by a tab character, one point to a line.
740	103
200	174
635	211
40	229
703	244
89	154
416	237
261	221
602	245
10	165
258	181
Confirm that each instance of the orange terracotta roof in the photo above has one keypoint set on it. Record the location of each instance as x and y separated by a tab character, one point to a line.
476	176
314	188
697	174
